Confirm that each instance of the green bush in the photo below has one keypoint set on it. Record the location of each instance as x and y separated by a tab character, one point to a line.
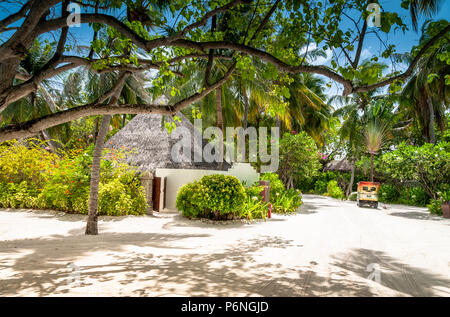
322	180
299	160
414	196
388	193
116	199
287	202
26	162
253	208
282	200
353	197
188	198
427	165
215	196
62	183
320	187
22	195
417	196
334	191
222	194
276	185
435	207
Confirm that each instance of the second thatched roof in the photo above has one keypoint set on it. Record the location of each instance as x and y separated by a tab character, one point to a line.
339	165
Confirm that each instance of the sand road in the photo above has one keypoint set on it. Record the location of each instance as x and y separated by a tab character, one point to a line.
329	248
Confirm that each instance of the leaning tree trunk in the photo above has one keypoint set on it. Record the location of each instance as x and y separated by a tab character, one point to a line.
371	166
352	178
431	111
219	121
91	226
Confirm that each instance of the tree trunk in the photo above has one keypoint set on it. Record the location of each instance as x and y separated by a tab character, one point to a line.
246	106
219	121
290	184
371	166
431	111
97	122
91	226
352	178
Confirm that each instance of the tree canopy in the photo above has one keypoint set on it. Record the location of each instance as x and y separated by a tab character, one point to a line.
168	35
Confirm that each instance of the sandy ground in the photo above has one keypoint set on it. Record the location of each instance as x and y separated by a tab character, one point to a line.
330	248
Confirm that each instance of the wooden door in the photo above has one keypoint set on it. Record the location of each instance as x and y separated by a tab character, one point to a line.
159	187
164	192
156	193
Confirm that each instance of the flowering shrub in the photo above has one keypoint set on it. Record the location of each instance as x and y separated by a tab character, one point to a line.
428	165
32	177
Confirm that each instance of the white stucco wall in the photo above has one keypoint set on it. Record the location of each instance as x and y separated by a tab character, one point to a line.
178	177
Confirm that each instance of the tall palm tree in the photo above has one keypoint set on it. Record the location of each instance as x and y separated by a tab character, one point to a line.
425	96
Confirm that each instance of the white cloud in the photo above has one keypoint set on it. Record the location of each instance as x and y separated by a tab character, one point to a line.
366	53
319	60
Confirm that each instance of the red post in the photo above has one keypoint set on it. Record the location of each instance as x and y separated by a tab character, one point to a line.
269	215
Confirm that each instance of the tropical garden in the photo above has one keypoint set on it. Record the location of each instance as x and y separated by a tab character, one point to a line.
297	65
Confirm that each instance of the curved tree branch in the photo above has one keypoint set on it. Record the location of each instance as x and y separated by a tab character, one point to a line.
16	16
411	67
30	128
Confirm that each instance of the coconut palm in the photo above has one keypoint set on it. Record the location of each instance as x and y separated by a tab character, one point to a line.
426	7
45	100
425	96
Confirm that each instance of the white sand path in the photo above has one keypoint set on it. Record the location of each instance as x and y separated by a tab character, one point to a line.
330	248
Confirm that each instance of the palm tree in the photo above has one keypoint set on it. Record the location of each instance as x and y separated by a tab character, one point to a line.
425	7
376	133
307	110
426	95
91	224
45	100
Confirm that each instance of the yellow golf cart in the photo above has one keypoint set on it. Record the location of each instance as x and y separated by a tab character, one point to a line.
368	194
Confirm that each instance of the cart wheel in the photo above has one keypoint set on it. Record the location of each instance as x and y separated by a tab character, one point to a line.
375	205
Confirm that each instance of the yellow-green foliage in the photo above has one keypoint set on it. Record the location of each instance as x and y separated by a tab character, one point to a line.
333	190
29	163
33	177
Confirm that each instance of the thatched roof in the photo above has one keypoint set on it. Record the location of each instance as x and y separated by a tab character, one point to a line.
339	165
151	144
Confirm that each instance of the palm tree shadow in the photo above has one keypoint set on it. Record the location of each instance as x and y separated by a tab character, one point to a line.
164	265
393	273
46	268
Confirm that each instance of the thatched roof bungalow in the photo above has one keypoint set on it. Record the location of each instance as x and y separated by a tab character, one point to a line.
339	165
151	144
